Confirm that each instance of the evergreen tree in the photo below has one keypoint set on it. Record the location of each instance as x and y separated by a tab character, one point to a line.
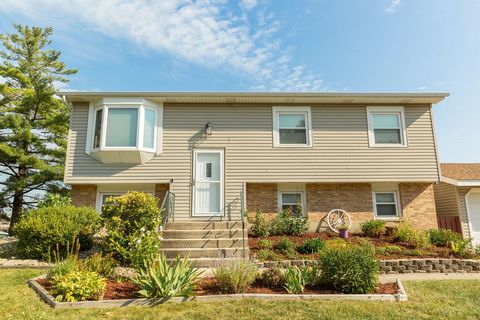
33	121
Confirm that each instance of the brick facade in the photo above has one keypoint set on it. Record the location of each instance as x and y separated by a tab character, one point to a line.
416	200
355	198
418	204
84	195
160	191
262	196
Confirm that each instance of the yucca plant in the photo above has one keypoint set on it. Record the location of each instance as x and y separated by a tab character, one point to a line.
159	279
296	279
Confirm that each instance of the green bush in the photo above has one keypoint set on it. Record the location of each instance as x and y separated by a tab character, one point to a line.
40	230
286	247
387	250
65	266
265	244
352	269
104	265
289	223
373	228
260	227
267	255
406	233
273	278
336	243
161	279
132	222
310	246
296	279
78	286
237	276
461	247
443	237
54	200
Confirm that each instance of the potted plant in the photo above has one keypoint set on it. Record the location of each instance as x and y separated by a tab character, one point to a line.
343	231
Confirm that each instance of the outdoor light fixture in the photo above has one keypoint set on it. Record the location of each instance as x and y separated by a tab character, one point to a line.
208	128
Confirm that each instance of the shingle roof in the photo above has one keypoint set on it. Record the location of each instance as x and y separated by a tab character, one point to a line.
461	171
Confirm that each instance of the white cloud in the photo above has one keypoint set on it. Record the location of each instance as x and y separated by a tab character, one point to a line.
248	4
204	32
392	8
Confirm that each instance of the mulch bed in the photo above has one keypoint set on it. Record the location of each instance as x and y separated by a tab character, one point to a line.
210	286
433	252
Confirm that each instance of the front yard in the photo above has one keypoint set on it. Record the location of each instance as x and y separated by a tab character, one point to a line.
445	299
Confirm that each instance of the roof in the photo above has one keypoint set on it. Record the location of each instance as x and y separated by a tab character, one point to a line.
262	97
461	174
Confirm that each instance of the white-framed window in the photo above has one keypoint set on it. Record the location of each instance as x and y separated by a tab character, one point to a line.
103	196
105	191
386	204
292	127
386	127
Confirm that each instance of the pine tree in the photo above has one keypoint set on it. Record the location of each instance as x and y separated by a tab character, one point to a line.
33	121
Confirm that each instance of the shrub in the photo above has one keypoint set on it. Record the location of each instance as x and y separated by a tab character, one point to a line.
54	200
285	245
352	269
388	249
273	278
267	255
443	237
132	222
289	223
373	228
406	233
310	246
461	247
40	230
265	244
78	286
161	279
260	227
414	253
70	264
296	279
336	243
236	276
104	265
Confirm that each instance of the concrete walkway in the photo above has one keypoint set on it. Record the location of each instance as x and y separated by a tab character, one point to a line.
428	276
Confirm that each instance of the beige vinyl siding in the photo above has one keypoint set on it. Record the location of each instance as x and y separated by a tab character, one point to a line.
446	199
462	191
340	151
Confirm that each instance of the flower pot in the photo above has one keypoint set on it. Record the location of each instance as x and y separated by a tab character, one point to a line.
343	233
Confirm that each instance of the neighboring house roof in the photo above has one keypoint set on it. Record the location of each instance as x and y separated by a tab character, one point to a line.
461	174
264	97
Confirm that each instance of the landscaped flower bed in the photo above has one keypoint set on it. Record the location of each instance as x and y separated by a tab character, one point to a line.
267	243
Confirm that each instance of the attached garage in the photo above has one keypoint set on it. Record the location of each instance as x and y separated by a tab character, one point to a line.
457	199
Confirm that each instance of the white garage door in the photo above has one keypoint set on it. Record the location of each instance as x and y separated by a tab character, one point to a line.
473	203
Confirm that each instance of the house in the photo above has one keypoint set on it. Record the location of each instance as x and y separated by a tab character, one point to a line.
370	154
458	199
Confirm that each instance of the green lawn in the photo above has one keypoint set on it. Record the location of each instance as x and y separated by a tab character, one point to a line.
447	299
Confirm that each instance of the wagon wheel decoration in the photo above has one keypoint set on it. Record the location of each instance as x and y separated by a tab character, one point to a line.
338	217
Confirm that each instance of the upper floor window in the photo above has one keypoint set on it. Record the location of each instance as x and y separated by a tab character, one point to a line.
386	127
292	127
124	131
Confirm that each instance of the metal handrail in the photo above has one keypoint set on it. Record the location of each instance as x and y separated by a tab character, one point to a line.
168	204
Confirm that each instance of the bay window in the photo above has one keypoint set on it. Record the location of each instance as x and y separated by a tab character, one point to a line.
125	131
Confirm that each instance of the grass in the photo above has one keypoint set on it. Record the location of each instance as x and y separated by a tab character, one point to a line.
445	299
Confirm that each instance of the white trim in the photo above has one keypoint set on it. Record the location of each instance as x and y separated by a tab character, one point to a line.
386	188
222	182
460	183
90	131
467	208
387	110
276	111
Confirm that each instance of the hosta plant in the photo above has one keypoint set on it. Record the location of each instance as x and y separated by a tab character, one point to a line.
160	279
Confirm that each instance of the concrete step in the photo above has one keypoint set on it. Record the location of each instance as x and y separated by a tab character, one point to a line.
204	253
203	234
203	225
209	262
203	243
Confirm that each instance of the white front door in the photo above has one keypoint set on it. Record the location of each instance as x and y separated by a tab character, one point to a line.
208	182
473	209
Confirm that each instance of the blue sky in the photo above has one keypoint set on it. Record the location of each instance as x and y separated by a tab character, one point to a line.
275	45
